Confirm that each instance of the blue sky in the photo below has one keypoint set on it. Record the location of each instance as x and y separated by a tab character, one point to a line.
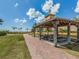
10	10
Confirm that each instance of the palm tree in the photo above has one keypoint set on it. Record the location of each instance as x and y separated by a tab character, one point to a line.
20	28
1	21
14	28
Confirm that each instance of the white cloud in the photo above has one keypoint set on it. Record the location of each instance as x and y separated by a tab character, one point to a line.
39	19
55	8
47	6
21	21
31	13
17	20
77	7
36	15
16	5
50	7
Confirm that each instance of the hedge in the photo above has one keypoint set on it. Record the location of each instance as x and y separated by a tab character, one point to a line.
2	33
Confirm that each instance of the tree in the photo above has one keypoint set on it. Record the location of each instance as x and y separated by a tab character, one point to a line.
33	27
14	28
20	28
1	21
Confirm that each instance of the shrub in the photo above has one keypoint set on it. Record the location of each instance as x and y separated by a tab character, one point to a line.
69	46
2	33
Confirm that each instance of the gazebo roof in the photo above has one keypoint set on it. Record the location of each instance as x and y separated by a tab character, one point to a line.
61	22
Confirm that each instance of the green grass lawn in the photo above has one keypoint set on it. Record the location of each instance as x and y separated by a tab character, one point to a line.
72	49
13	47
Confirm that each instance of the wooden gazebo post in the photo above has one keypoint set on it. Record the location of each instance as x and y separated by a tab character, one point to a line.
40	32
68	33
34	32
55	33
78	33
48	33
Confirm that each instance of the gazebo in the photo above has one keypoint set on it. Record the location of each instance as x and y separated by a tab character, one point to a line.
52	21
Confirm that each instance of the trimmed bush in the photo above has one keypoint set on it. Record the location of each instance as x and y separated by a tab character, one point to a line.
69	46
3	33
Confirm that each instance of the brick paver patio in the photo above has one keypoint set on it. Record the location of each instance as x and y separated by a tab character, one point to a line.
39	49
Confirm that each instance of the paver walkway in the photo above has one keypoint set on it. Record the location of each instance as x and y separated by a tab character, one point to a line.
39	49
